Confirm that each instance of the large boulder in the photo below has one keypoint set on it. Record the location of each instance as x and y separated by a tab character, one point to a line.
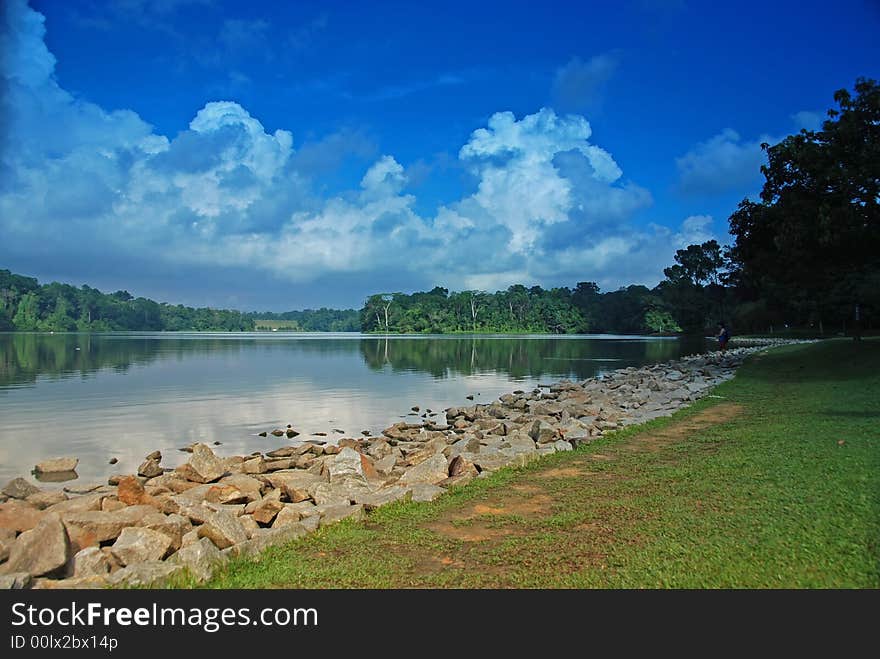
433	470
42	550
345	465
150	468
203	466
384	496
267	508
56	465
426	492
130	491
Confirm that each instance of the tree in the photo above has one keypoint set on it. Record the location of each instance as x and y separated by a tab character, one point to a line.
692	289
813	241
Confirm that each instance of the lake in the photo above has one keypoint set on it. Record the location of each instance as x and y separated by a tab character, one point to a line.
122	395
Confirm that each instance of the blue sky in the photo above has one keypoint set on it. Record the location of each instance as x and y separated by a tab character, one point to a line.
282	155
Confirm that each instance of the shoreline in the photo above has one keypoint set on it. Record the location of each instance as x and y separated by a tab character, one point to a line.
144	528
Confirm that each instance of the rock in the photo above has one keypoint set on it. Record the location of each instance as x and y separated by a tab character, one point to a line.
426	492
248	524
93	561
294	484
223	529
174	526
384	496
150	468
203	466
383	466
286	516
277	432
130	491
189	538
520	442
200	558
263	434
155	455
17	516
433	470
339	492
109	505
91	582
255	465
44	499
562	445
56	465
113	461
461	465
5	546
248	485
336	513
16	581
42	550
542	432
151	573
19	488
95	526
225	494
268	508
291	433
138	544
87	502
346	464
265	538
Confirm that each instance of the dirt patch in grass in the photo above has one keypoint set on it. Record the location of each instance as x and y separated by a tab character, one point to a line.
534	503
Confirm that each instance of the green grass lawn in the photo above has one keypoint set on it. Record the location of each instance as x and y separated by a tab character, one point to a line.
774	483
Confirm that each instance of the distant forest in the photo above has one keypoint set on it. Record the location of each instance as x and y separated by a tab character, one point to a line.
806	256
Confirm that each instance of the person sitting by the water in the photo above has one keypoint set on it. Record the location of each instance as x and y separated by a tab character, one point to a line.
723	336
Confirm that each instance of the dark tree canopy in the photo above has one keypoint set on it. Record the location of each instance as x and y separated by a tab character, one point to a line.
813	241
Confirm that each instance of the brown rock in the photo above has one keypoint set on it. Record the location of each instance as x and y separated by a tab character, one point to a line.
44	499
150	468
225	494
268	508
93	527
56	465
432	471
83	503
110	504
130	491
16	515
174	526
461	465
255	465
294	484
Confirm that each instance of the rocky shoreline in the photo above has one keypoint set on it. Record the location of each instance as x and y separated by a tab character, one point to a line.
141	529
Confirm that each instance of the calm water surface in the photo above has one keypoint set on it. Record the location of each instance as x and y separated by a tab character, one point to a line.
97	396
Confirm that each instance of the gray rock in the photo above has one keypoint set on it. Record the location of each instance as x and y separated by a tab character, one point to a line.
16	581
562	445
92	561
426	492
339	491
520	442
336	513
345	465
203	466
56	465
151	573
384	496
150	468
41	550
19	488
248	485
223	529
200	558
138	544
433	470
542	432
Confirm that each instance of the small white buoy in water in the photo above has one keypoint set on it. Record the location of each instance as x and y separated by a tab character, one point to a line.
77	348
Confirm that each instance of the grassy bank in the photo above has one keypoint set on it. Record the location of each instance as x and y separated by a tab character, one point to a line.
774	483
